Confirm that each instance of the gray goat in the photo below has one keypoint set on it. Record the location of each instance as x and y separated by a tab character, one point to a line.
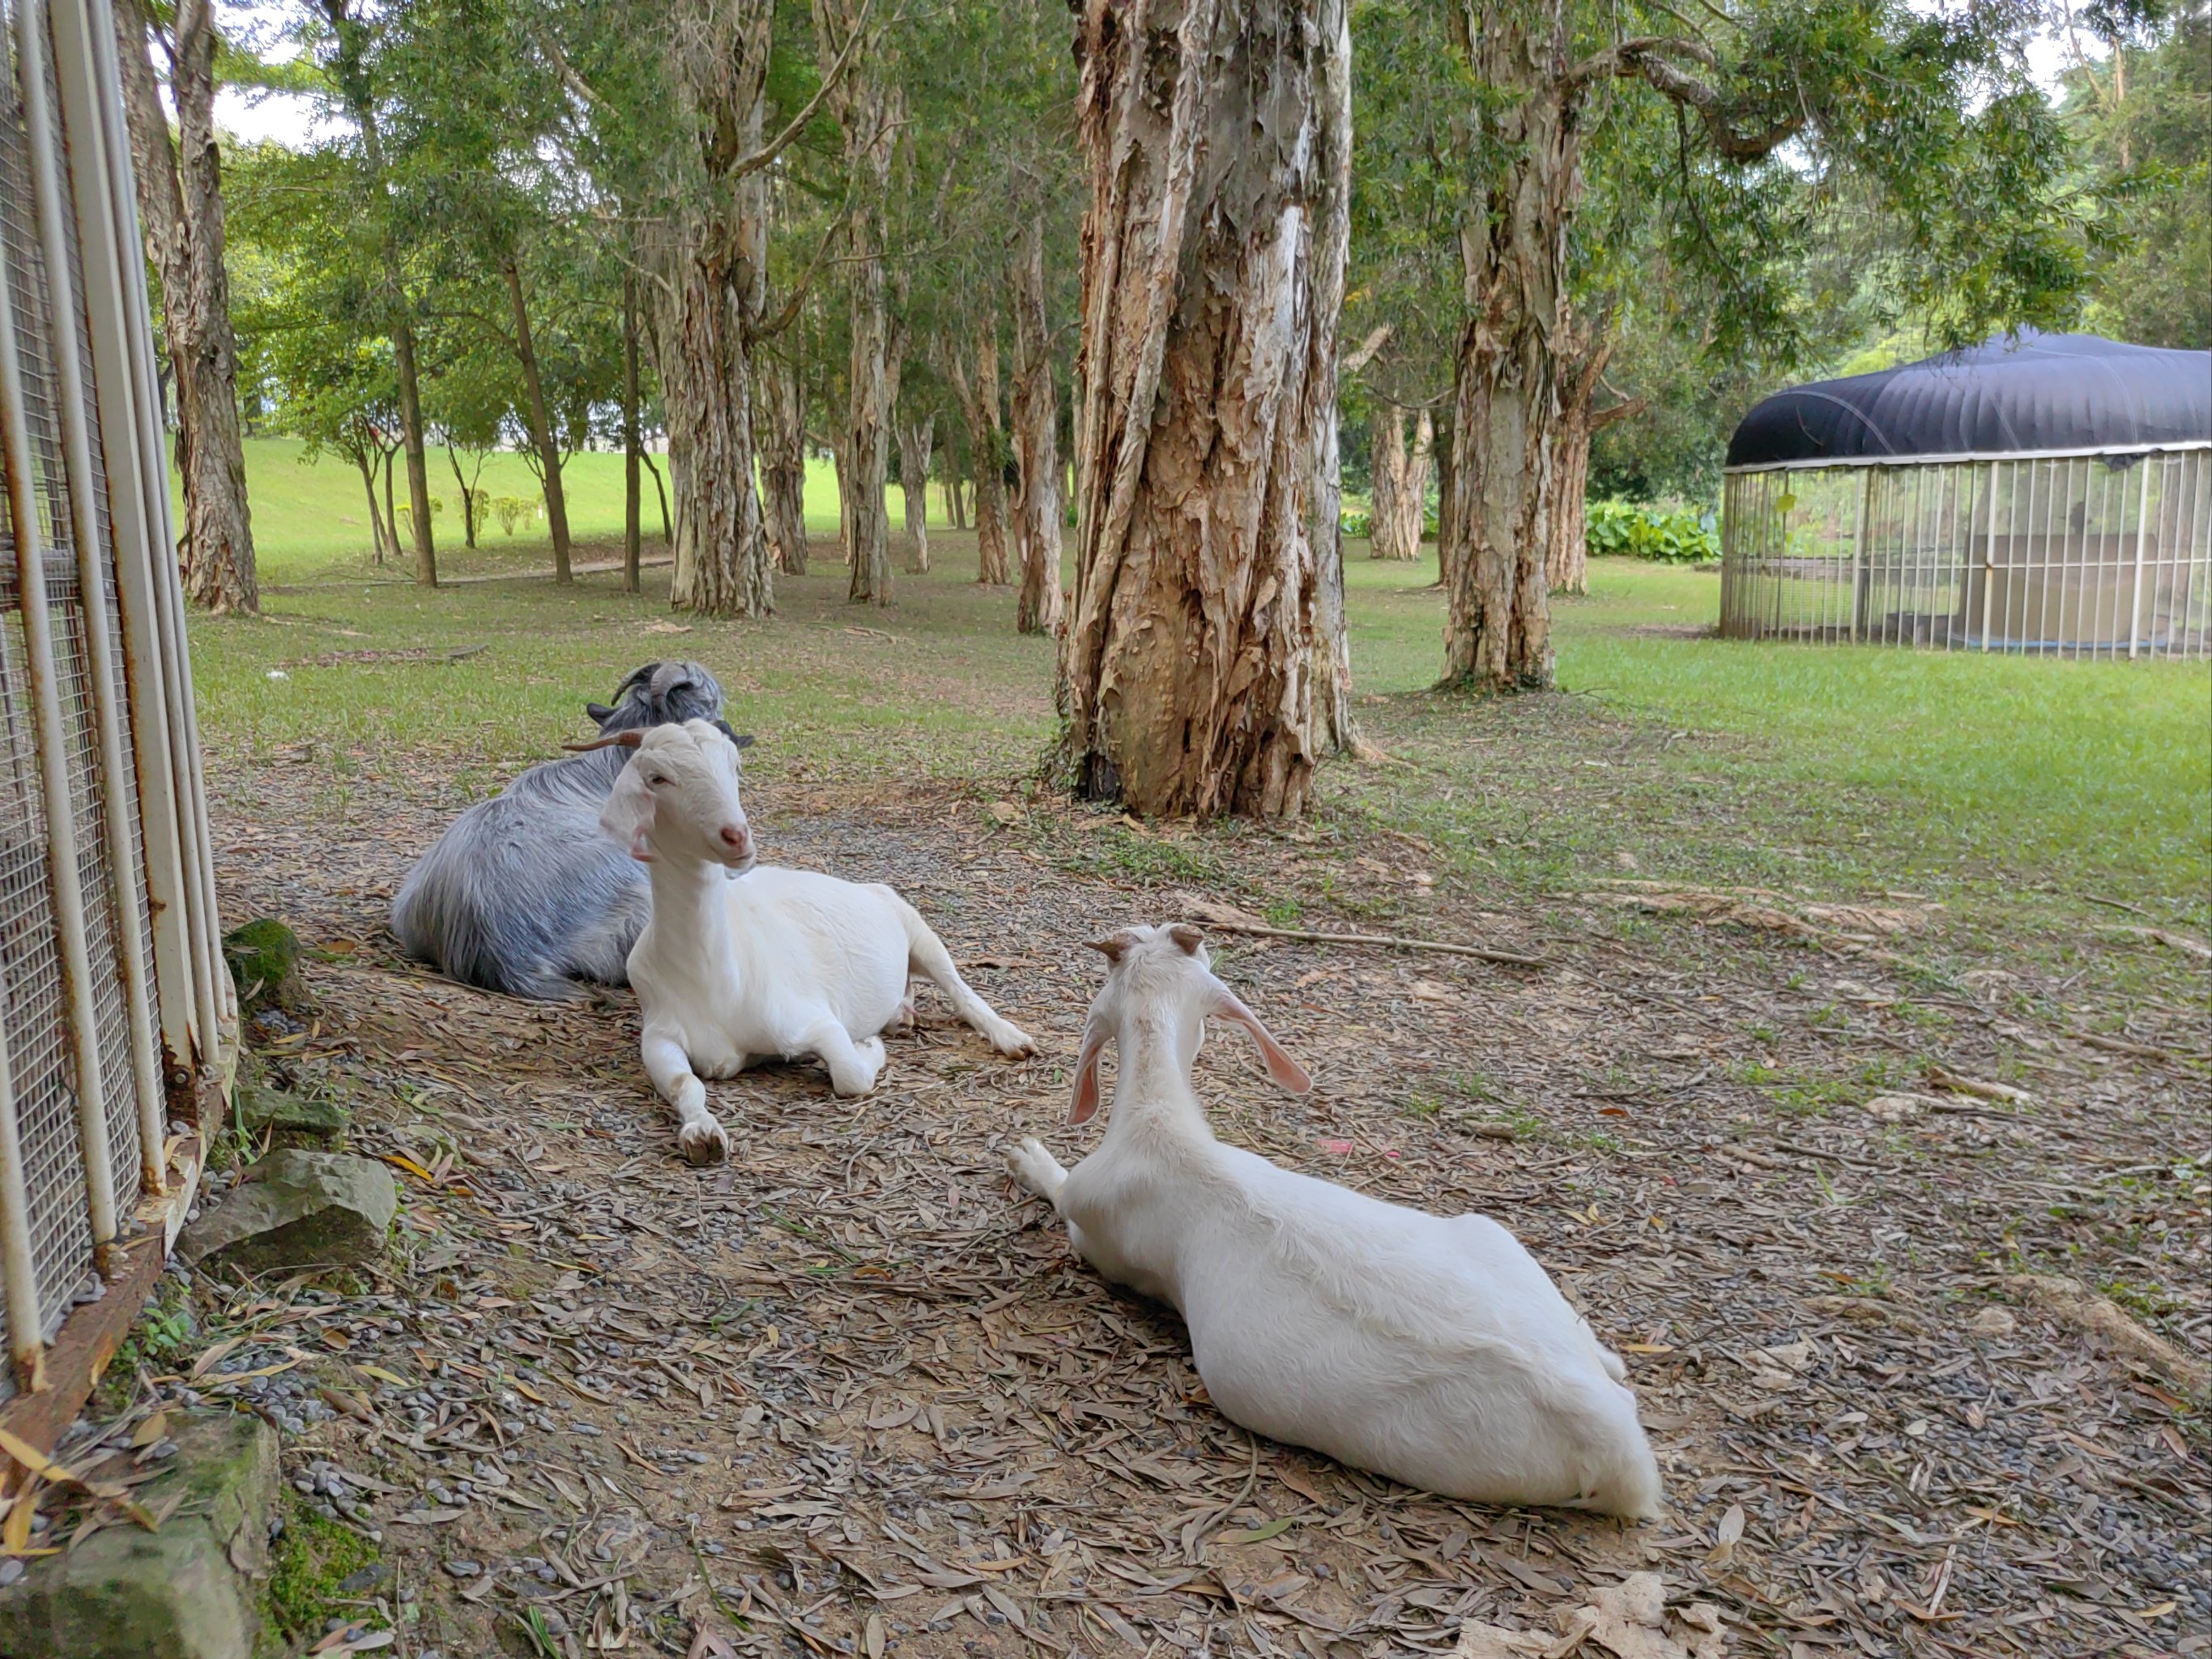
525	893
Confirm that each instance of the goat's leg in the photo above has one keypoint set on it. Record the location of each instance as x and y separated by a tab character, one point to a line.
1037	1169
670	1067
853	1065
925	955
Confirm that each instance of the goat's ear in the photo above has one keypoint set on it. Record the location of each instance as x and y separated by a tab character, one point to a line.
1287	1072
1114	945
1085	1106
599	713
736	742
1187	937
629	739
627	816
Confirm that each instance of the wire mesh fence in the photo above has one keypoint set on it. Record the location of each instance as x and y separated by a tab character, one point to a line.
95	942
2063	555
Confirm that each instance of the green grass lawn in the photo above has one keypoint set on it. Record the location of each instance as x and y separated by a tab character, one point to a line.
311	518
1993	768
2020	792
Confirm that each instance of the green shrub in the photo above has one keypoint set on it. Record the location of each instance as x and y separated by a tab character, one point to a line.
1354	521
1632	530
406	514
513	510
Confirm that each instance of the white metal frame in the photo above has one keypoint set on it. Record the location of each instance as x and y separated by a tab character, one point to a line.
137	737
2078	552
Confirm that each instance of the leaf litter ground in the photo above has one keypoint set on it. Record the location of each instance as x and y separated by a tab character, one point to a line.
852	1393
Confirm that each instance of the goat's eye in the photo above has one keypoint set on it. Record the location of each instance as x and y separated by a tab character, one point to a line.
656	778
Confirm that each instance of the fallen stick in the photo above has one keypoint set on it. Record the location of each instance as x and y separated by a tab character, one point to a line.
1388	941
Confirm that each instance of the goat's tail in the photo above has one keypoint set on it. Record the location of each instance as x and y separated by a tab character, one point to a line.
1620	1475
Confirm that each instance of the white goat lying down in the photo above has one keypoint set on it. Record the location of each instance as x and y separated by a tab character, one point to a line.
1430	1349
777	964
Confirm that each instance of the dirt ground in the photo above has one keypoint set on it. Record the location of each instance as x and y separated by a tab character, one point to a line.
853	1394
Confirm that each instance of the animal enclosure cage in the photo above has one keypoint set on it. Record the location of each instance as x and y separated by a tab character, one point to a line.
2053	496
116	1003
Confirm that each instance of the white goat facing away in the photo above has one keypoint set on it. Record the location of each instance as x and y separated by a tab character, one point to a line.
779	963
1430	1349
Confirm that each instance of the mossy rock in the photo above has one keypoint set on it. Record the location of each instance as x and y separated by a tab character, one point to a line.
263	956
178	1593
299	1209
290	1120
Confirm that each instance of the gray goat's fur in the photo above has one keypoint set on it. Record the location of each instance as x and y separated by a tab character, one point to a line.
525	893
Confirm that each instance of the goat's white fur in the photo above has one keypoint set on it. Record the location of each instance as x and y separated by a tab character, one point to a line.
778	963
1434	1350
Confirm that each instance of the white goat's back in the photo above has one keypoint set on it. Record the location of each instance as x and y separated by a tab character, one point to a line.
1431	1349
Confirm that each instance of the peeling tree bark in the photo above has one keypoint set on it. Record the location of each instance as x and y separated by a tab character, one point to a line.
708	265
917	437
867	110
1506	416
721	552
1386	466
779	423
1400	511
1036	452
1209	374
978	392
180	203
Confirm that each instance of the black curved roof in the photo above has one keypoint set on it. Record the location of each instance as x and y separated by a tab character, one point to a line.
2017	394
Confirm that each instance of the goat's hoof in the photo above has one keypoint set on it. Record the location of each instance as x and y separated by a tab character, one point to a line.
1015	1043
703	1143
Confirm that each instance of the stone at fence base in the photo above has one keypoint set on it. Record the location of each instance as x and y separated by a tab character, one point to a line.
294	1119
263	958
184	1592
299	1209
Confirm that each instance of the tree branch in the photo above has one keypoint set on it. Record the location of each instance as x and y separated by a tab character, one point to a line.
766	154
1650	59
1375	340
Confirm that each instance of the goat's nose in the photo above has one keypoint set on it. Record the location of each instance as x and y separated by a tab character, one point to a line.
737	838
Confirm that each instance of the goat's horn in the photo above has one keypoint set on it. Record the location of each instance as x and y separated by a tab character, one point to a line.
613	739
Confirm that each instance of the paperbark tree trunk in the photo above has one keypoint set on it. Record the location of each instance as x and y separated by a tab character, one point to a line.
1447	501
955	496
917	437
1386	461
180	190
1506	416
866	108
978	392
709	262
1208	373
1037	452
1330	250
542	438
779	421
633	446
721	553
1567	568
1414	502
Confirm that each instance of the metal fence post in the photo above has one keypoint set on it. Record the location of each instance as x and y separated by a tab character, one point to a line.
2143	534
53	779
1859	555
92	596
19	1275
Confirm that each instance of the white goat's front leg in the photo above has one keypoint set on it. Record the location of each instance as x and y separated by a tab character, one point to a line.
670	1067
1037	1169
927	955
853	1065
